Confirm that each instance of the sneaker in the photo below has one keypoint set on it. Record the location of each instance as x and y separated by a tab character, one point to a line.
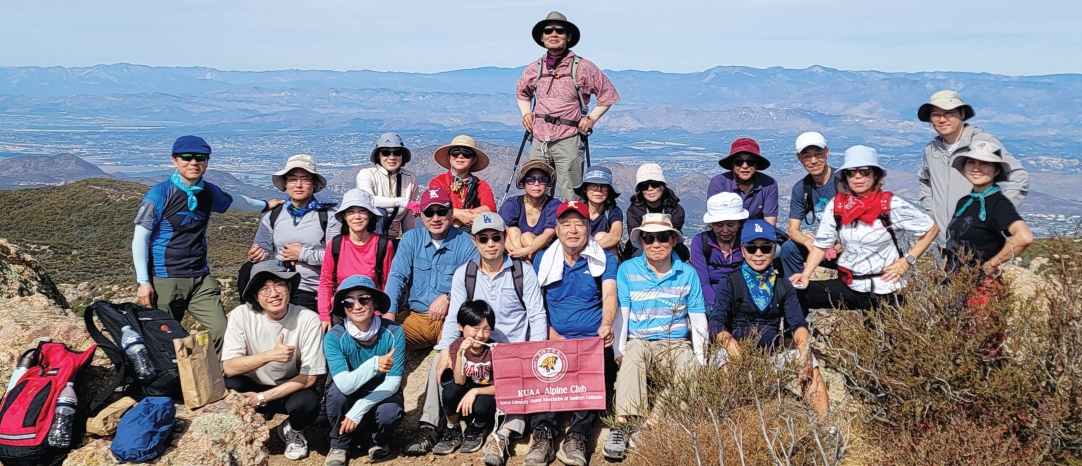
573	453
296	444
379	451
496	450
473	439
336	457
541	452
449	441
616	446
423	441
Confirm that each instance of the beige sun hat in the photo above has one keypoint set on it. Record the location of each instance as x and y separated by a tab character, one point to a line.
444	152
535	165
304	162
986	152
654	223
946	100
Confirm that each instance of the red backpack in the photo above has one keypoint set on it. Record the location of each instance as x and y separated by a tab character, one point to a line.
26	412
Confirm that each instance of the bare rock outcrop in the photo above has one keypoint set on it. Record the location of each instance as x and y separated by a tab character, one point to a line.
21	275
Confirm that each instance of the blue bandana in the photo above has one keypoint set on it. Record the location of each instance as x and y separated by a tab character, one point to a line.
760	285
973	195
191	191
298	212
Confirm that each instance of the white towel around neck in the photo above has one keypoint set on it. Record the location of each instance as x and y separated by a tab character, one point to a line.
551	269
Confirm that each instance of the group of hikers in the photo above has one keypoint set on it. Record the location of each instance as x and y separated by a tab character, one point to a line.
347	289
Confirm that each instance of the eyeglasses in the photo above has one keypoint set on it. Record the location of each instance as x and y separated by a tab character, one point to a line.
753	249
649	238
273	289
597	187
485	239
649	185
439	211
557	29
741	161
538	179
392	152
464	153
190	157
350	303
943	115
864	171
299	181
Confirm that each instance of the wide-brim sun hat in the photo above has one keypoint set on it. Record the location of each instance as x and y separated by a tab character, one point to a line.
946	100
266	270
357	197
391	141
359	282
654	223
304	162
597	175
558	18
861	156
744	146
986	152
535	165
724	206
443	154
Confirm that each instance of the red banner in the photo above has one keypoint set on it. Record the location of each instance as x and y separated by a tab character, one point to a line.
549	376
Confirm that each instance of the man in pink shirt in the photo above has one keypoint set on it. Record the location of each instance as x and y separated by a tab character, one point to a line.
560	112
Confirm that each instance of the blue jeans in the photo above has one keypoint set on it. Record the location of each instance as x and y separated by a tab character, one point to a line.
793	255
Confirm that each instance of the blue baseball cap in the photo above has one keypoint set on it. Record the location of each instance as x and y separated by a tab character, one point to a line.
191	145
757	229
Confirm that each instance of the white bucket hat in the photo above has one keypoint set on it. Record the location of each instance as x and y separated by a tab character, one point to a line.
654	223
304	162
724	206
861	156
649	172
357	198
986	152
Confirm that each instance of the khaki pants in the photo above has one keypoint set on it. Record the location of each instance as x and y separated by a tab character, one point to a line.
420	331
639	357
200	296
566	156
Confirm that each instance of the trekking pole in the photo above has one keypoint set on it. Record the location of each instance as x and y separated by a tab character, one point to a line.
514	170
586	146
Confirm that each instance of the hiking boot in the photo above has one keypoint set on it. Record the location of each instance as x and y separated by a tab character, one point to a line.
541	452
616	446
449	441
379	451
573	453
473	439
496	450
296	444
336	457
423	441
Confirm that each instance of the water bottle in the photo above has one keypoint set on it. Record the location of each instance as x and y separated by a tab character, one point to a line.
64	418
28	360
137	353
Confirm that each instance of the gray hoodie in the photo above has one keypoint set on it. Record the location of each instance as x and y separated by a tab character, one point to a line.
941	186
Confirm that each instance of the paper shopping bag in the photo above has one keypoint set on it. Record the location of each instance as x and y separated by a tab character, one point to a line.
104	424
200	372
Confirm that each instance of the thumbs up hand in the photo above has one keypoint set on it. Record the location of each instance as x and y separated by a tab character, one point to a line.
385	362
281	352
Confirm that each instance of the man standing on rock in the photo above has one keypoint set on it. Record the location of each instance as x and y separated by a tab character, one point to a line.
170	243
941	186
560	85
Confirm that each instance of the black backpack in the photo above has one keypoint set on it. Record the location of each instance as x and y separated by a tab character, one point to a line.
516	277
158	330
245	272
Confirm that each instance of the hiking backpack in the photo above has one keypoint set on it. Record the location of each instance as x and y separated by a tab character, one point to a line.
381	256
245	272
26	412
516	277
158	329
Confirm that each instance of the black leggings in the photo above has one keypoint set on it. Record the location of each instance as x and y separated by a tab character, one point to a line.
833	294
302	406
483	411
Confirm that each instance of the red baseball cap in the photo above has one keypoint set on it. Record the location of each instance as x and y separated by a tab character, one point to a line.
575	206
745	146
435	196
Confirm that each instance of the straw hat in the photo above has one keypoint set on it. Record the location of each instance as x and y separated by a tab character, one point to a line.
444	152
535	165
655	223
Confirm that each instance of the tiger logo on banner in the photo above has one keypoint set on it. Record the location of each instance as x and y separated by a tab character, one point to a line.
549	365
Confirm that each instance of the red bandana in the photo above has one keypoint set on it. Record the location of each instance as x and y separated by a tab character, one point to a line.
866	208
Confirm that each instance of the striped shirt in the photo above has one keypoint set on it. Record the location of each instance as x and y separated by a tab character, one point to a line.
658	308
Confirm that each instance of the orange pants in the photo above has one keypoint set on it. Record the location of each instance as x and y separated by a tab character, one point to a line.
420	331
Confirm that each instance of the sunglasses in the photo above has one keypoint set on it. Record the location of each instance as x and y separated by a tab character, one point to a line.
864	171
464	153
350	303
649	185
753	249
741	161
538	179
392	152
557	29
649	238
486	239
439	211
190	157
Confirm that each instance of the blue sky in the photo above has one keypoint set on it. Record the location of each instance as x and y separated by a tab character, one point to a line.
996	36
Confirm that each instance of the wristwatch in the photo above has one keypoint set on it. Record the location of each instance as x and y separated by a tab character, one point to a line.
910	259
260	400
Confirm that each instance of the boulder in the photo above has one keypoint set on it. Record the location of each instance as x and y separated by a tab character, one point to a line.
21	275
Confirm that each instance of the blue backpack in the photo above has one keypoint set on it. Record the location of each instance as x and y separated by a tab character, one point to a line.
143	432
